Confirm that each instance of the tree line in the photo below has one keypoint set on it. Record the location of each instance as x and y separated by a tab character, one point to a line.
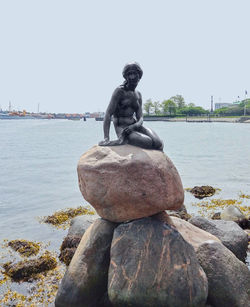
174	106
235	110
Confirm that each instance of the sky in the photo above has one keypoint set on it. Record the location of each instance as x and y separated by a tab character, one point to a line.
68	56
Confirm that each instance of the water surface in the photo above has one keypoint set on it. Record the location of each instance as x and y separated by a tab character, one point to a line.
38	161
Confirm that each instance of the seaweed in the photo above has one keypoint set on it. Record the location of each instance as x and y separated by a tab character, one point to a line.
203	191
210	206
68	248
242	195
26	270
63	217
25	248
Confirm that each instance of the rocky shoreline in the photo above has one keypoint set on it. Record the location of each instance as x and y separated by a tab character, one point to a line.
136	254
81	223
143	256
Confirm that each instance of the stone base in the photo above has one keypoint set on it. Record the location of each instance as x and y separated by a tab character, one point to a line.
126	182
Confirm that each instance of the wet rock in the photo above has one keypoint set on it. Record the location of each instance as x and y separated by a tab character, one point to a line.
192	234
245	223
232	213
25	248
228	278
247	231
230	234
152	265
85	281
163	217
180	213
216	216
25	270
203	191
80	224
127	182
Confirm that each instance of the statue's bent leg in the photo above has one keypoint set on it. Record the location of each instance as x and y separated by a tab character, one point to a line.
141	140
157	142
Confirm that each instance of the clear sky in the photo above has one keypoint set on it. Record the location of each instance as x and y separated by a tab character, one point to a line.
68	55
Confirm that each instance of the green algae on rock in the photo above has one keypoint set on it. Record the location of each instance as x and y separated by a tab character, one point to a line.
25	248
61	218
26	270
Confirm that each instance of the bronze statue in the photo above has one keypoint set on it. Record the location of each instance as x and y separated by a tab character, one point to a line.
126	108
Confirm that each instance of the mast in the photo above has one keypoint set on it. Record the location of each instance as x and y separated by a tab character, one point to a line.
212	102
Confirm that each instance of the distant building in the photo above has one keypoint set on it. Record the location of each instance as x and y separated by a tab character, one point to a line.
222	105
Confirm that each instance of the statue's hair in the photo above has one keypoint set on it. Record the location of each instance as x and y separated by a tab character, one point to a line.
132	66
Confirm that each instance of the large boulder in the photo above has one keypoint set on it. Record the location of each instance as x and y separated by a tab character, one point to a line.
230	234
85	281
152	265
228	277
192	234
127	182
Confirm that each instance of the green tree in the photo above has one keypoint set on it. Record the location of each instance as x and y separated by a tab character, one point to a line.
148	105
168	107
157	107
179	101
190	110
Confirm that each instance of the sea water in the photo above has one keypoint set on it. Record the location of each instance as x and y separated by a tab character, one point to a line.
38	160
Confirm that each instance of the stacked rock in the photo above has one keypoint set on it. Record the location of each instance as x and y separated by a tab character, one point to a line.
132	255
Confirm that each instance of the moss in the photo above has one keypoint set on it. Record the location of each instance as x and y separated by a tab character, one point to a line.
66	255
64	216
26	270
25	248
203	191
68	248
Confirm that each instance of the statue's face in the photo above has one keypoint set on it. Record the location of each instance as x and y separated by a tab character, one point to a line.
133	77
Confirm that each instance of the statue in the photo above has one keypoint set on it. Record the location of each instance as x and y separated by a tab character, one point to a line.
126	108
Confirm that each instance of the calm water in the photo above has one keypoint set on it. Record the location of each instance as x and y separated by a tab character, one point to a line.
38	161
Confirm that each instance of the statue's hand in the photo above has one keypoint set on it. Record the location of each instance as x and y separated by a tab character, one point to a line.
105	142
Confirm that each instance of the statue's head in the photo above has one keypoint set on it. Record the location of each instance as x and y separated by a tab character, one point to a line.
132	67
132	73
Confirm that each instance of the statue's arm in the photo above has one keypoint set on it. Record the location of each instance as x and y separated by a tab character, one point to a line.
139	114
139	118
109	112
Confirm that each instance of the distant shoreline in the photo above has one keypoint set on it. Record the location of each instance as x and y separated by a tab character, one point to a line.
199	119
189	119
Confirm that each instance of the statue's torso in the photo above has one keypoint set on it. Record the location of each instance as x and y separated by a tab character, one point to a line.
127	106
